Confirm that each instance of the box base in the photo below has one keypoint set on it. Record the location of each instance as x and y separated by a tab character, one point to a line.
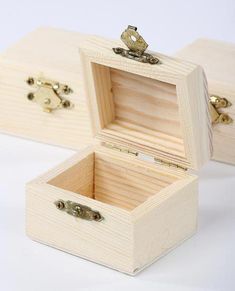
135	271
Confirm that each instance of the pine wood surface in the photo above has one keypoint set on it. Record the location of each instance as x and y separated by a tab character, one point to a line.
218	60
132	102
148	209
159	212
52	53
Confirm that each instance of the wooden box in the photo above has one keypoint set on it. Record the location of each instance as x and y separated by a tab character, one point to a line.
218	60
128	199
50	55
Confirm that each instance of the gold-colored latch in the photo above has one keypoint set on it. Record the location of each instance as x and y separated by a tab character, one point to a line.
216	103
78	210
136	45
48	93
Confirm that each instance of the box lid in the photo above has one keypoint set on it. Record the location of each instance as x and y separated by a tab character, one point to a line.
156	109
218	60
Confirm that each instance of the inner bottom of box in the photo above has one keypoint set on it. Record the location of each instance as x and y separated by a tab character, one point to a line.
120	182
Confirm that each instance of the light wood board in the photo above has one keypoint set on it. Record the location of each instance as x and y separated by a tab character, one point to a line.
218	60
52	53
148	209
160	110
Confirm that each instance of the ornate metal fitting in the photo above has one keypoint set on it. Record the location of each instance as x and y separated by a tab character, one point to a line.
48	94
78	210
216	103
136	45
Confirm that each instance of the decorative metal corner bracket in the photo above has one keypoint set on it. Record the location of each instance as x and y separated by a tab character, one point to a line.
78	210
216	103
136	47
49	93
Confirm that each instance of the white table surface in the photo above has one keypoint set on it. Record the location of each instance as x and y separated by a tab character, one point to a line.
204	262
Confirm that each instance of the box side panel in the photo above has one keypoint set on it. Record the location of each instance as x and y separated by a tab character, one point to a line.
166	225
194	109
216	57
52	54
52	47
109	242
65	127
218	60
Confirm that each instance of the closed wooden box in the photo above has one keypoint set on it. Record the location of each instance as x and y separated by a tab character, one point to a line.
218	60
50	55
128	199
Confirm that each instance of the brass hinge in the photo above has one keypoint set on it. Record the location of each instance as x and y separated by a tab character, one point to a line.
169	164
142	156
216	103
120	149
49	93
136	47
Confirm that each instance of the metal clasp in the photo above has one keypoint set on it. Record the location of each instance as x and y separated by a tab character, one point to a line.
78	210
48	94
216	103
136	45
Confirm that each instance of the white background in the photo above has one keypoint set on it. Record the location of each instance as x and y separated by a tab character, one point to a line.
206	261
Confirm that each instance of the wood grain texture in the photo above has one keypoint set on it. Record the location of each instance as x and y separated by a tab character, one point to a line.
52	53
79	178
127	239
218	60
145	102
160	110
114	181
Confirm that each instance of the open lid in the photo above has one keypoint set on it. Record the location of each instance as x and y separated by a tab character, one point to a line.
158	108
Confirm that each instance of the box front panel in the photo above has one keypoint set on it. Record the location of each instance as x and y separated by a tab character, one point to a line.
146	209
108	242
68	127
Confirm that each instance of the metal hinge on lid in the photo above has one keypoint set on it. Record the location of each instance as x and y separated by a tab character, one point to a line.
216	103
136	47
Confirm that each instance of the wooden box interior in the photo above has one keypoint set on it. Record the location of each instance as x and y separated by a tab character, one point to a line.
137	110
117	180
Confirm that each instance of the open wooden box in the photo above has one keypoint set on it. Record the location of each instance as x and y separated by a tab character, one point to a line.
218	60
129	196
